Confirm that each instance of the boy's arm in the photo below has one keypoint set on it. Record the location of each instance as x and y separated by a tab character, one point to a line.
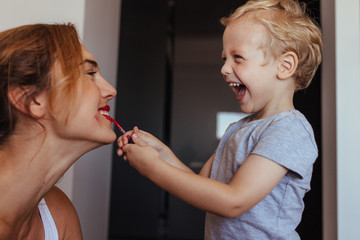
206	169
255	179
167	155
164	151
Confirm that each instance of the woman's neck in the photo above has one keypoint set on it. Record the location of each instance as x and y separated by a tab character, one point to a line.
29	167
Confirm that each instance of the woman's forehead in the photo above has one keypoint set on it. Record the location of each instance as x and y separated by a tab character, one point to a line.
86	54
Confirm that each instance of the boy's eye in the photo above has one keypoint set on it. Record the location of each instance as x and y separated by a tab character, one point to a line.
238	58
224	59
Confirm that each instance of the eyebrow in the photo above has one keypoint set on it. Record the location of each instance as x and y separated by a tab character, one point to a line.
92	62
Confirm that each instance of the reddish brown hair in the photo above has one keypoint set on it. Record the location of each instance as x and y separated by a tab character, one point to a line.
27	57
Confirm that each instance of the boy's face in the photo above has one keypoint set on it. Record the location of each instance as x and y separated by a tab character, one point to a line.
252	77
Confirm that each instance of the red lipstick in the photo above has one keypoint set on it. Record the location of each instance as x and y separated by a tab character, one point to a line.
107	109
117	124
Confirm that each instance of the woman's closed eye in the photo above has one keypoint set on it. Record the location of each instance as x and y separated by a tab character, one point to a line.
92	74
91	68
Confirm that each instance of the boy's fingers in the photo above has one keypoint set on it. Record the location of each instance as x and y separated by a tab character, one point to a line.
137	139
119	152
121	141
136	131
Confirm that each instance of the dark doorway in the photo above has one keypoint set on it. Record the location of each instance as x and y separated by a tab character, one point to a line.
169	84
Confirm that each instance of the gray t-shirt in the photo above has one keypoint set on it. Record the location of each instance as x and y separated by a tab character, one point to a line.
285	138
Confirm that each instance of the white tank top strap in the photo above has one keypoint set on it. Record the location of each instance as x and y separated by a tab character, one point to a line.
50	229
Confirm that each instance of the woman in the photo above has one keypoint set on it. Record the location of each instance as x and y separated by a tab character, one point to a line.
53	99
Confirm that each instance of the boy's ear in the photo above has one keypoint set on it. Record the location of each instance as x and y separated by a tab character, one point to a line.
288	63
18	97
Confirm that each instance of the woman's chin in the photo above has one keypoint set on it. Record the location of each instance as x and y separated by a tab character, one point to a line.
107	139
111	138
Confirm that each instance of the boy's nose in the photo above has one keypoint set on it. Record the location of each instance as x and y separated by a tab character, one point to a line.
226	69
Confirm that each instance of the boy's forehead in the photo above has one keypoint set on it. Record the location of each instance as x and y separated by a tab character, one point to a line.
247	30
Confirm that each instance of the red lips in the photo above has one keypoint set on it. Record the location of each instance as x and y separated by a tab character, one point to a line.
105	108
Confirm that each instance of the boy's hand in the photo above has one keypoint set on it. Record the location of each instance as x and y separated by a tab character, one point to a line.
146	137
150	140
121	142
140	155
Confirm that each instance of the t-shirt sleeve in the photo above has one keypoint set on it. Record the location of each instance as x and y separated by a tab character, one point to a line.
289	142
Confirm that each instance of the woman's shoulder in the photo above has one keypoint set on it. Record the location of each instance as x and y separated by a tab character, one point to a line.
64	214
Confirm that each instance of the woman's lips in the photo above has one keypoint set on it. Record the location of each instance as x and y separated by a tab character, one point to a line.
105	108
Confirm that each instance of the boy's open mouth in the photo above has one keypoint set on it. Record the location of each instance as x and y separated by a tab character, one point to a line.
237	86
239	90
234	84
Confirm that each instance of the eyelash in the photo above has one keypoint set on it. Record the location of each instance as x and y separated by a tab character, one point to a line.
235	57
91	73
238	56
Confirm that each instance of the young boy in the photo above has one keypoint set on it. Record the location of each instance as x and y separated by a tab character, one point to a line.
253	186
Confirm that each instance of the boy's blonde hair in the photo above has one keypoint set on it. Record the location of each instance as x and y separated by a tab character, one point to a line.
291	29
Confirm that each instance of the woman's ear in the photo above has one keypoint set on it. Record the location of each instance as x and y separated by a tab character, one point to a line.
287	66
18	97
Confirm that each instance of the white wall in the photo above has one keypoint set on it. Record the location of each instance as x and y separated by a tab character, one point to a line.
92	175
348	115
88	182
19	12
341	114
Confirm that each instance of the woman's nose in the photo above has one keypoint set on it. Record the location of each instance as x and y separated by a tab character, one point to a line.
107	90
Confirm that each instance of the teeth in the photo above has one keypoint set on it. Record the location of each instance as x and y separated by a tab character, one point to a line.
104	113
234	84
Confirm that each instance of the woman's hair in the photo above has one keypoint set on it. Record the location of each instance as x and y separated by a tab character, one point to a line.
289	29
27	58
